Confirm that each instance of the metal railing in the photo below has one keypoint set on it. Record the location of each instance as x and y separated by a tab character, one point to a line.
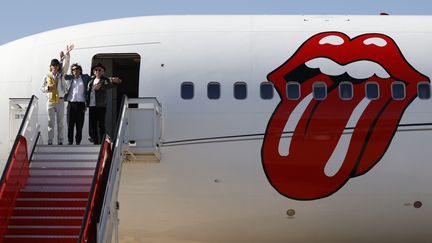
94	202
30	127
108	222
16	171
147	132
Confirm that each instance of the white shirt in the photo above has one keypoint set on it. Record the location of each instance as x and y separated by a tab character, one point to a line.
93	94
77	90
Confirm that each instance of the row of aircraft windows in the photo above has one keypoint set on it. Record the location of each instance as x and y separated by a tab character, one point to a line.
319	90
214	90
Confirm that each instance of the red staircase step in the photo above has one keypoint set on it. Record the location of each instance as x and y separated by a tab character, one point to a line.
51	202
51	206
24	194
43	230
46	220
56	188
40	239
61	172
56	180
47	211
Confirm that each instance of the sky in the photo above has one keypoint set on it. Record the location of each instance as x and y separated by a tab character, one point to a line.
20	18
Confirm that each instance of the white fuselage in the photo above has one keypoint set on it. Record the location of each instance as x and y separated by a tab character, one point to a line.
210	185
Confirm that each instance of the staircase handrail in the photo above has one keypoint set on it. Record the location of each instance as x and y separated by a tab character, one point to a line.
16	170
108	222
30	127
92	212
108	216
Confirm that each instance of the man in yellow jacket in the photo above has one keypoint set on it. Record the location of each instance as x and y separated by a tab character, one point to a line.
55	87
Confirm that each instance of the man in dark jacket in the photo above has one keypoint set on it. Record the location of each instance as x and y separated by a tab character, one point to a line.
76	97
96	100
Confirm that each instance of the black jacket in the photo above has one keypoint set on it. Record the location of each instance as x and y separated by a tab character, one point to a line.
69	78
99	94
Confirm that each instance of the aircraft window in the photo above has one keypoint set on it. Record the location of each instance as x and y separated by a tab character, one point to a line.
187	90
266	90
346	90
293	90
424	91
398	90
240	90
319	90
372	91
213	90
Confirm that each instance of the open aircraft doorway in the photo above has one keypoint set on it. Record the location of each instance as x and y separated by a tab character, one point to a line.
125	66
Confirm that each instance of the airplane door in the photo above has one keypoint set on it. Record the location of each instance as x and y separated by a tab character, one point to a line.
125	66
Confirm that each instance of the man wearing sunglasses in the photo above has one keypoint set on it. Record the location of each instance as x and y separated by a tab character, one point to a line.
76	98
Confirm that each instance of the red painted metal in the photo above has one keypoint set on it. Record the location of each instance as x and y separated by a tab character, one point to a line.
47	221
97	193
44	230
47	239
300	174
14	178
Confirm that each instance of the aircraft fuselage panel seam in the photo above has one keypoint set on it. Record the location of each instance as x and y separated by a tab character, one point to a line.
256	136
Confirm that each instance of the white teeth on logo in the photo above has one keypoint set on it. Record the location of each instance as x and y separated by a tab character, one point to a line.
332	40
358	70
375	41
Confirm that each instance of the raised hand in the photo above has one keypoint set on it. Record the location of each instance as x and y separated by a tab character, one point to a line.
97	86
69	48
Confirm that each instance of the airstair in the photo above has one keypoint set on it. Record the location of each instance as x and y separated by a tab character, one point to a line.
51	205
69	193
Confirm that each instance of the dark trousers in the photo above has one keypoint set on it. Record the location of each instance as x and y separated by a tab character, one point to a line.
75	119
97	123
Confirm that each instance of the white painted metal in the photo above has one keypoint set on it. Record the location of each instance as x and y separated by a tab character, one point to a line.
108	223
17	110
30	127
217	191
145	128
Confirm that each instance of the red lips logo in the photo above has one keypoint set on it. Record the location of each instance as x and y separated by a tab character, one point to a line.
301	173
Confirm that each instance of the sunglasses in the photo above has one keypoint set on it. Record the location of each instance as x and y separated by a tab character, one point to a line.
98	69
74	69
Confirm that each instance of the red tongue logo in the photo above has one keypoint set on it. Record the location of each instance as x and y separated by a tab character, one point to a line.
300	174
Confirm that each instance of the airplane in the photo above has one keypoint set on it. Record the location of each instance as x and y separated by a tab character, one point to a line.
269	128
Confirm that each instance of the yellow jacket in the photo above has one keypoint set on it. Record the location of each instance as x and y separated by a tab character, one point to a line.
59	81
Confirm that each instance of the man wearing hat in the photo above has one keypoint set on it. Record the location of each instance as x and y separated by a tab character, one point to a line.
96	100
54	86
